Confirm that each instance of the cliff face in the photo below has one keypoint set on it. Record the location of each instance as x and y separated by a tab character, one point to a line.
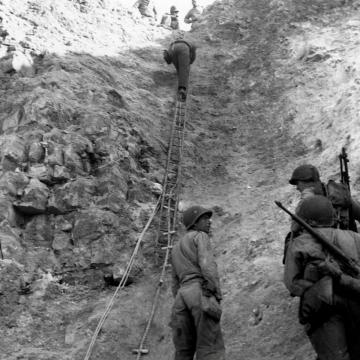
86	104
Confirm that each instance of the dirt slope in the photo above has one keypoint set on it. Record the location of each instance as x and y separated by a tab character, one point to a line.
275	84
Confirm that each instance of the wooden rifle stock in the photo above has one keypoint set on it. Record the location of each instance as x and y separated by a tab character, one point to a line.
345	179
348	265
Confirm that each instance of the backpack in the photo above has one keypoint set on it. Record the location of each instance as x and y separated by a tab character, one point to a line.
339	195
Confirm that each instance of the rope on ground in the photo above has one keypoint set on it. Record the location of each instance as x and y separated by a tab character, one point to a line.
121	284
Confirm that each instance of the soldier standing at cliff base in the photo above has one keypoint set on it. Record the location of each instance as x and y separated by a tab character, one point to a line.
329	298
195	283
306	178
182	54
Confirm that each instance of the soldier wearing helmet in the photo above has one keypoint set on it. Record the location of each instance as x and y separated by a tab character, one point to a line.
194	275
182	54
306	178
174	24
329	299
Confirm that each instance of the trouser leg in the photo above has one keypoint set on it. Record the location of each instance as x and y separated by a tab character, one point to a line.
183	330
183	71
182	64
352	326
329	339
209	343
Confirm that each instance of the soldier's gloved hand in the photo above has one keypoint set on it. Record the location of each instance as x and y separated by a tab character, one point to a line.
167	56
331	268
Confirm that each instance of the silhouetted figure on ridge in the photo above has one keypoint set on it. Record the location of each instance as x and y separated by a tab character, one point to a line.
3	32
193	15
145	7
174	24
170	20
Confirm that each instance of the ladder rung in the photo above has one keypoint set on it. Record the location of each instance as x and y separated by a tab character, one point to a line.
169	232
140	351
167	247
167	207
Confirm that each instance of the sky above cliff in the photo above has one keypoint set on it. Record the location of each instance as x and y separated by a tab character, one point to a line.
183	6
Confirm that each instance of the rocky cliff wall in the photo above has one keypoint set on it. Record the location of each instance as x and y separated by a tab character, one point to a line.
84	116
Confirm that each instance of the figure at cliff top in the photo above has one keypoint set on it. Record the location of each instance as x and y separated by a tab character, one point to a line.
147	8
182	54
170	19
174	18
193	15
3	32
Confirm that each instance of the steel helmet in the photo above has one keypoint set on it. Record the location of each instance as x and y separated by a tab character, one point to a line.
317	210
305	173
192	215
173	9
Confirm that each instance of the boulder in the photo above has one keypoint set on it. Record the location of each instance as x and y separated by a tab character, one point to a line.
36	152
35	198
114	201
99	237
10	285
14	119
38	231
88	227
13	153
105	250
111	178
73	161
41	172
60	174
118	270
72	195
13	182
55	136
55	154
10	243
62	240
7	210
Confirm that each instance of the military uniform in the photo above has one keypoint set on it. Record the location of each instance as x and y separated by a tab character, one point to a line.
192	16
193	268
182	54
174	24
328	304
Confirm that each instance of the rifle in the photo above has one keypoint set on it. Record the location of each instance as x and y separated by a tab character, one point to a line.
348	265
345	179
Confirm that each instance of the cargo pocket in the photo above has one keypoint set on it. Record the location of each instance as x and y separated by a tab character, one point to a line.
317	302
